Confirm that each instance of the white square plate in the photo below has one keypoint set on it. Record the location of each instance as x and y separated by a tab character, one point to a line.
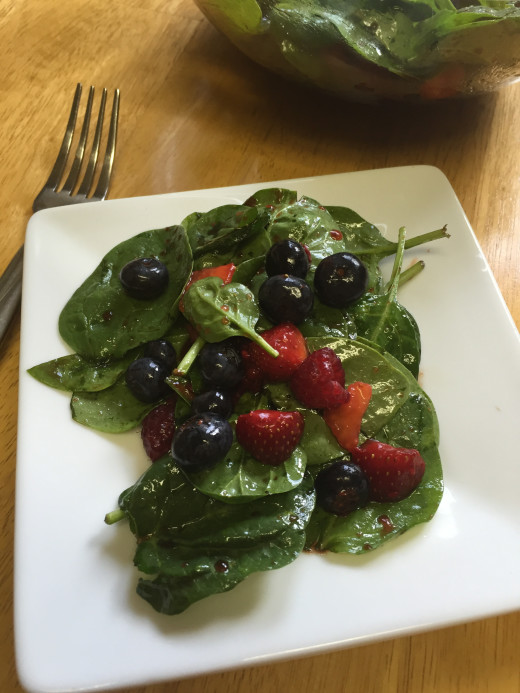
79	623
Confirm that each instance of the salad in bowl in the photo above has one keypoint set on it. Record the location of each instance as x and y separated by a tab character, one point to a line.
368	50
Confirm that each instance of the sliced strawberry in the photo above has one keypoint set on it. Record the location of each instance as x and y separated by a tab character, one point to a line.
292	350
393	473
270	436
345	420
319	382
225	272
158	428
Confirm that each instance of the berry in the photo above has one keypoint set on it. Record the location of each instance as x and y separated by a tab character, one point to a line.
158	428
144	277
287	257
145	379
225	272
292	350
253	379
345	420
392	473
214	401
284	298
319	382
341	488
270	436
162	350
340	279
221	363
201	441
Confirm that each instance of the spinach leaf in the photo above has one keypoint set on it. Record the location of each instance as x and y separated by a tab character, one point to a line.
415	425
318	442
112	410
100	321
308	223
185	575
272	198
73	372
197	546
368	528
240	478
245	17
328	321
361	361
220	311
214	236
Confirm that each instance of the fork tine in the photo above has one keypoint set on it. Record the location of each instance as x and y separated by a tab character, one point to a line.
92	162
72	178
61	160
104	179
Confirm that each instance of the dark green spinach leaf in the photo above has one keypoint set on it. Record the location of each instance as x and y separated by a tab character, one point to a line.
197	546
112	410
101	322
218	311
239	478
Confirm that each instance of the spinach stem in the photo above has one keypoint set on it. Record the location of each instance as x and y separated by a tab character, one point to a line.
410	243
411	272
190	356
391	287
112	517
393	284
261	342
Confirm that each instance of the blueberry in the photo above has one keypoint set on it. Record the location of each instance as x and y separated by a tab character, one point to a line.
145	379
214	401
221	364
201	441
341	488
340	279
284	298
287	257
162	350
144	277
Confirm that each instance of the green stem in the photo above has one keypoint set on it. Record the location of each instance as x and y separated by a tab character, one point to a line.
261	342
410	243
112	517
411	272
190	356
192	353
393	284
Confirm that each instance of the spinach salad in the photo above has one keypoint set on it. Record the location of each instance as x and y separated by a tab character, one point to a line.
201	529
414	49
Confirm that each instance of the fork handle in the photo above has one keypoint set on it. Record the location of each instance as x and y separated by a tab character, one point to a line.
10	291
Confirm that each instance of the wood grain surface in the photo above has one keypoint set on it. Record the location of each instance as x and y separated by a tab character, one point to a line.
196	114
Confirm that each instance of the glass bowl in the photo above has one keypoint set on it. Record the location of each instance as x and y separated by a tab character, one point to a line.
367	50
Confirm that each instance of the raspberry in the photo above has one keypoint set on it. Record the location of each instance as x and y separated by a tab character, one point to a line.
158	428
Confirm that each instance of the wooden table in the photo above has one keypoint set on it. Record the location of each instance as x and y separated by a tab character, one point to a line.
195	114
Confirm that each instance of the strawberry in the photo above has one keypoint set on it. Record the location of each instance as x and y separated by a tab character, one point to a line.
157	429
319	382
292	350
270	436
345	420
393	473
225	272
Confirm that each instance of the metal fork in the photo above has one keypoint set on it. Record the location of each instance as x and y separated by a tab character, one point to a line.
51	196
